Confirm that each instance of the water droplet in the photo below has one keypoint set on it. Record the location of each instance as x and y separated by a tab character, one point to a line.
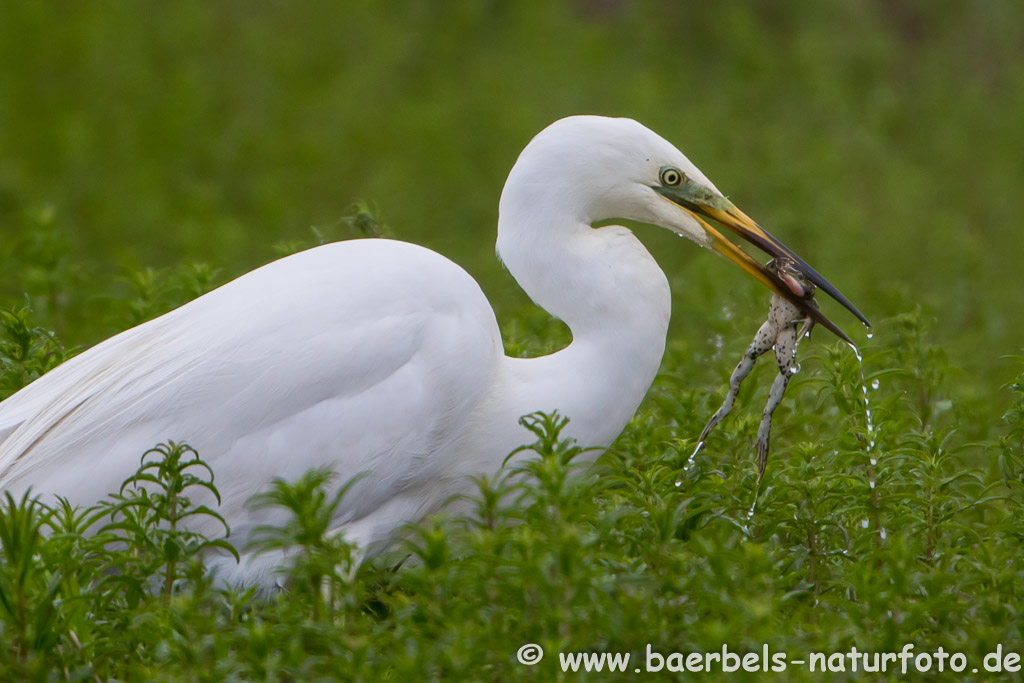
645	513
864	523
871	484
874	383
679	482
689	462
795	368
753	504
856	352
807	335
874	460
871	444
870	334
882	533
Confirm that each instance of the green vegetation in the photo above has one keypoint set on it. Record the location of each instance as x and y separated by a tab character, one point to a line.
151	151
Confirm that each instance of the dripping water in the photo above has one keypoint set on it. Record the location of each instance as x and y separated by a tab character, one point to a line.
692	458
871	436
747	534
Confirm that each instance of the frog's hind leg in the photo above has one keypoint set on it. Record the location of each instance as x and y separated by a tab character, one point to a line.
763	341
764	430
785	356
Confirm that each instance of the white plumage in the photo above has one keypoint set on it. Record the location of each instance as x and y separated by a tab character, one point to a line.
380	357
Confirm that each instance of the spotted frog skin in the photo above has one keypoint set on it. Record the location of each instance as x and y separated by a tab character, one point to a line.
785	326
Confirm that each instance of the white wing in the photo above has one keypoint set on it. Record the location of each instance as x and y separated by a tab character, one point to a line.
366	356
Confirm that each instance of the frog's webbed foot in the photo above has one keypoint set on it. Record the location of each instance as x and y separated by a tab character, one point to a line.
762	446
804	330
763	341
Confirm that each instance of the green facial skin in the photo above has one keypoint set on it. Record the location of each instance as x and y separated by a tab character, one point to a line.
693	195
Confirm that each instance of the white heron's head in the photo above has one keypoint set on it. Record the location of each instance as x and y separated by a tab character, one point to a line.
594	168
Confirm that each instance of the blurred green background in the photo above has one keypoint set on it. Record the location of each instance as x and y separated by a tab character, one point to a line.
881	140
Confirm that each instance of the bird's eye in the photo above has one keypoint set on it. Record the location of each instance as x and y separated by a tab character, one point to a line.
671	176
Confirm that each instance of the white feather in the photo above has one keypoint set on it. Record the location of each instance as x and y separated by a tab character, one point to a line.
377	357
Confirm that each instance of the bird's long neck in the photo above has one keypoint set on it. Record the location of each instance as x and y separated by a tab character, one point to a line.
615	299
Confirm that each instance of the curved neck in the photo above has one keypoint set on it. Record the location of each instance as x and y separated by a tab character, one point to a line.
614	298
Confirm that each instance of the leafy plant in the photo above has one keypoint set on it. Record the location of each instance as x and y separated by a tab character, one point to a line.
26	352
150	515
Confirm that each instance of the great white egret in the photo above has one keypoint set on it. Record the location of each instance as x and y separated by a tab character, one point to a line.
384	358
